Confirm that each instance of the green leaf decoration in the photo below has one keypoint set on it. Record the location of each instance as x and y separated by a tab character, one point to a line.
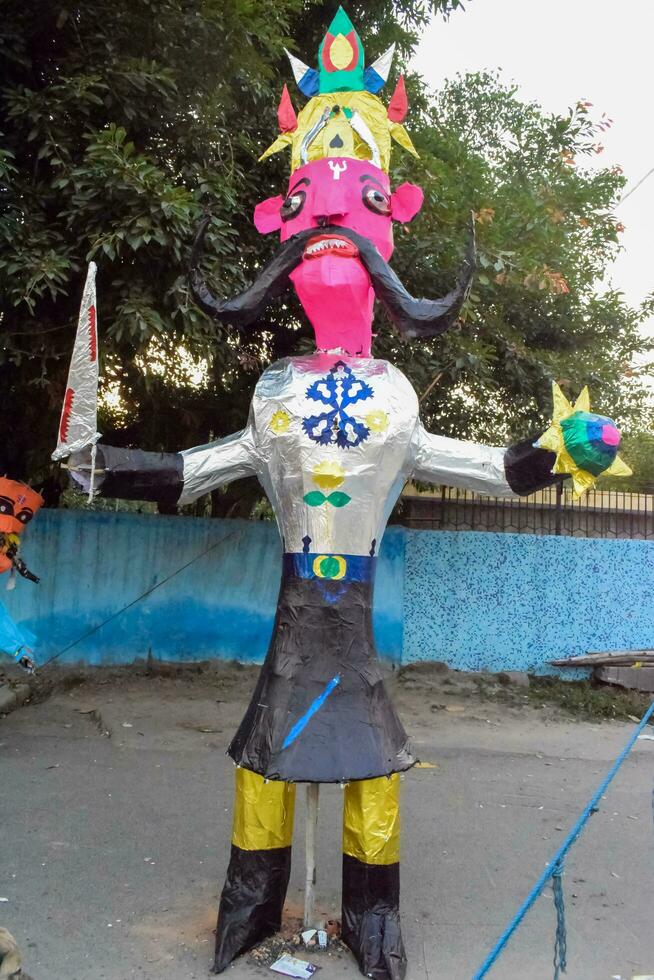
338	499
315	498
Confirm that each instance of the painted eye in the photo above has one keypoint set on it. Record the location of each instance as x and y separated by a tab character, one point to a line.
6	506
292	205
377	200
25	516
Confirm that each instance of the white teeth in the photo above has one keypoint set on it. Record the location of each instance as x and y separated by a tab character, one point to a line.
328	243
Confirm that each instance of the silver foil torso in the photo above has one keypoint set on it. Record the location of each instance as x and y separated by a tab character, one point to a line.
334	435
333	439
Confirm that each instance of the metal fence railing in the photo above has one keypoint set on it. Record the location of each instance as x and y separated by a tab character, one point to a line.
599	514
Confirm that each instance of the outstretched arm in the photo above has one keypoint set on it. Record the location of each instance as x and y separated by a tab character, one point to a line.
519	470
171	478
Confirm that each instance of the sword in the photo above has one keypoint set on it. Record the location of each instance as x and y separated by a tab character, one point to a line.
79	415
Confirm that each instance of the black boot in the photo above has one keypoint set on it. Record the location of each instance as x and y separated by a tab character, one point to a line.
251	902
371	918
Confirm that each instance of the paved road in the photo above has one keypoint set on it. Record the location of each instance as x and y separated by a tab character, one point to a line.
113	848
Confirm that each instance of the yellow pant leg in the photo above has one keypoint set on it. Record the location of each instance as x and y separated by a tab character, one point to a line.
371	877
257	878
371	820
263	812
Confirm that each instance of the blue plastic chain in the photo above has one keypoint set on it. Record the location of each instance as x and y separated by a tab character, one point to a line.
554	869
560	940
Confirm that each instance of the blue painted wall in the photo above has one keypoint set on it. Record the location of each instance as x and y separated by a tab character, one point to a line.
93	564
479	601
485	601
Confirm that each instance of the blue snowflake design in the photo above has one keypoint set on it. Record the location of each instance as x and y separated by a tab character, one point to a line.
337	390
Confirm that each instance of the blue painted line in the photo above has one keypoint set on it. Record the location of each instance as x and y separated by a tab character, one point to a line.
302	723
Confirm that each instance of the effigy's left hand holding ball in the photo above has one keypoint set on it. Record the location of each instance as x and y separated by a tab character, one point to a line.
586	444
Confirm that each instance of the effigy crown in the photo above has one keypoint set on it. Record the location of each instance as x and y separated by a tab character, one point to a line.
344	116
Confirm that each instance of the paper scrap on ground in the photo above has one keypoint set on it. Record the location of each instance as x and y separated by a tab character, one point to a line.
308	935
291	966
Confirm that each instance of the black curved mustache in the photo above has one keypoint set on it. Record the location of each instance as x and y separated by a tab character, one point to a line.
412	316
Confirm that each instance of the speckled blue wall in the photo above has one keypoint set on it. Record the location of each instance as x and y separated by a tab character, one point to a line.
93	564
479	601
484	601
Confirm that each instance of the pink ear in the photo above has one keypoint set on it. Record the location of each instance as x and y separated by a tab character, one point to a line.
266	215
406	201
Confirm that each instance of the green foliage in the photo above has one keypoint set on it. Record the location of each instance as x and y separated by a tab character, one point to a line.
545	232
588	700
123	123
637	450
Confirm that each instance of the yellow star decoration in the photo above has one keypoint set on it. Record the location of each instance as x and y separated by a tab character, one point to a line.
280	422
328	475
553	439
377	421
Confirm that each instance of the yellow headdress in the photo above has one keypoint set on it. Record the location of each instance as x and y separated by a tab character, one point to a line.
343	117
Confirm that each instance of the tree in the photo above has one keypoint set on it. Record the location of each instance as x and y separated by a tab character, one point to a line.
124	122
546	233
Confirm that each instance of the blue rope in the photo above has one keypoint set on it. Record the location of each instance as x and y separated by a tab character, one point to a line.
554	867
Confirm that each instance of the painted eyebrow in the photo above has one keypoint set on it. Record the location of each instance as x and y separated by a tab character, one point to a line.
302	180
374	180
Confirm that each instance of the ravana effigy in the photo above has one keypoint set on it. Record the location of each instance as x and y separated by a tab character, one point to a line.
333	437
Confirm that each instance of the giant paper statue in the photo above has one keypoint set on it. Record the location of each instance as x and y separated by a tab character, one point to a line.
332	437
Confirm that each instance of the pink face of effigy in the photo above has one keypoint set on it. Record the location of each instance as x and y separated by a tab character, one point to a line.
331	281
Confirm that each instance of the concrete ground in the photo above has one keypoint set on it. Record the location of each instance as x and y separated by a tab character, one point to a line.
115	803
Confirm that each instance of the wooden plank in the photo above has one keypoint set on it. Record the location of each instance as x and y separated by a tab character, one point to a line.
620	653
641	679
616	658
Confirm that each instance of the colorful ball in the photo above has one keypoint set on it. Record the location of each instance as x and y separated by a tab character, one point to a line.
591	440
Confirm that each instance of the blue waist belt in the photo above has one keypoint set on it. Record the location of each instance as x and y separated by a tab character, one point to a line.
336	568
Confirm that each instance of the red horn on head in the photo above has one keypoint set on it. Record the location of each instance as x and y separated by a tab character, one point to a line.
286	113
399	105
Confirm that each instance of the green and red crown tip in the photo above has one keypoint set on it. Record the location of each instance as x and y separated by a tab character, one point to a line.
341	63
340	57
592	441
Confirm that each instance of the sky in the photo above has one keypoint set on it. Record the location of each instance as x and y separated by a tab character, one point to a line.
559	52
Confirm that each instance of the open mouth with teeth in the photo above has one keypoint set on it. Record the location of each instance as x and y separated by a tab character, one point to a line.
329	245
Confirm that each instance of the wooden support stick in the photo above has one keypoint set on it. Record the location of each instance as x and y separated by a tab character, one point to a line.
82	468
311	826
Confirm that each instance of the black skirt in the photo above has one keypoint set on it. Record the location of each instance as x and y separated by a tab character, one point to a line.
320	711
